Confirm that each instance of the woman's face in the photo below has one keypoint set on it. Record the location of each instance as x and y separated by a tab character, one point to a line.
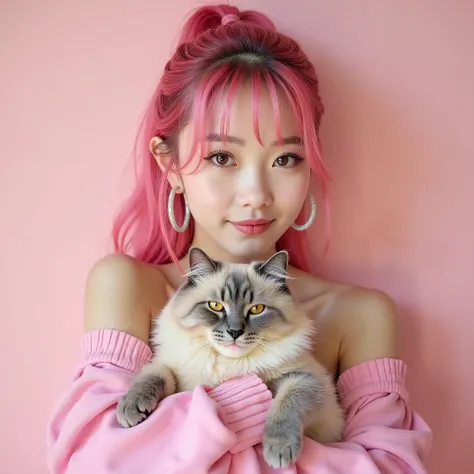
244	195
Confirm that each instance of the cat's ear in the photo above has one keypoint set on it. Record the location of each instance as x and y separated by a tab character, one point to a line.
276	266
200	264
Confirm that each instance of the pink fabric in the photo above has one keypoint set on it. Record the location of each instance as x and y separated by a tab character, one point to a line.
219	431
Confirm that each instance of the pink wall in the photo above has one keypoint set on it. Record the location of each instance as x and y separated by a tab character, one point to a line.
398	85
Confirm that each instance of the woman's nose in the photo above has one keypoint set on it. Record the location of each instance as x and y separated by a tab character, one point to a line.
253	190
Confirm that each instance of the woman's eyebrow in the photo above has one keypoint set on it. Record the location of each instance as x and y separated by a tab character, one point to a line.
217	137
292	140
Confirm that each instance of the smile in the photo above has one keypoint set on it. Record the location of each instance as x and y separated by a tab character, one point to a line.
252	226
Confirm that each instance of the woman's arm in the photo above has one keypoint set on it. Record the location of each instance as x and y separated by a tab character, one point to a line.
188	432
383	433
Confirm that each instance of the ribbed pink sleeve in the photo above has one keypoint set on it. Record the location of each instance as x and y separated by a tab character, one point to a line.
383	434
189	432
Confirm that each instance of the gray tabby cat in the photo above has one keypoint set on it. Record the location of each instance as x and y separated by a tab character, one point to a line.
229	320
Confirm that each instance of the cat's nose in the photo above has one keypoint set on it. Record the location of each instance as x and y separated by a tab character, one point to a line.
235	333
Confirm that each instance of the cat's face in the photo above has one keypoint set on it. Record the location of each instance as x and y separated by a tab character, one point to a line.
237	308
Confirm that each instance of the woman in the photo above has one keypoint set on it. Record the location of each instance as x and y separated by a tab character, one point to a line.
219	173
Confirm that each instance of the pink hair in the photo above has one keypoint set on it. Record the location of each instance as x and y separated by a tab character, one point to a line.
211	58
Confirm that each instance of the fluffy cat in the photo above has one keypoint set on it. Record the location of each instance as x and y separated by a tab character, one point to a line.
229	320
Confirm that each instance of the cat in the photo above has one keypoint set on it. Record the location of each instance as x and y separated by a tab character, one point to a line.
229	320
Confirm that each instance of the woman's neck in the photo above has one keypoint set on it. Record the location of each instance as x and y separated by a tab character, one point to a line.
216	252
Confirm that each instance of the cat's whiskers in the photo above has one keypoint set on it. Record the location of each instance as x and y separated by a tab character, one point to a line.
266	345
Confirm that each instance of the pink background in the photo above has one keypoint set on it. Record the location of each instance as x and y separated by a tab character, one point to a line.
397	79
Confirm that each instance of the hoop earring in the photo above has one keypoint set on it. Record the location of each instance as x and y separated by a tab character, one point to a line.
311	218
171	216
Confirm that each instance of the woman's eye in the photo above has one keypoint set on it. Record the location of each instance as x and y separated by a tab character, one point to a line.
287	161
221	159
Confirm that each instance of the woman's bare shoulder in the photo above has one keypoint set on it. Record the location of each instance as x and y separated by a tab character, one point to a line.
125	294
369	326
363	321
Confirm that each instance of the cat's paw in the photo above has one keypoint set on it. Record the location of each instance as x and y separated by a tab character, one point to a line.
138	404
282	442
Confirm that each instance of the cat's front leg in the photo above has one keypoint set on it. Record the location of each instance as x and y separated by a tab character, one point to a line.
296	394
154	383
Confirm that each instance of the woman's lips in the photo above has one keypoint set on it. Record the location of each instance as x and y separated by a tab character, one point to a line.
252	226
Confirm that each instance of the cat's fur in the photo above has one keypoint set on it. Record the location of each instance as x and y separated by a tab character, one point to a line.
192	347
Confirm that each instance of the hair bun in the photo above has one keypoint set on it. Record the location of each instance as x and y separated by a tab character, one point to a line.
211	16
229	18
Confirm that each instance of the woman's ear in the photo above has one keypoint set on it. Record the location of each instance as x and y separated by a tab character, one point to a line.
163	156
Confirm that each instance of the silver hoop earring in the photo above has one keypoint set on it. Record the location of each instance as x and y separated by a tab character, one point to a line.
171	216
311	218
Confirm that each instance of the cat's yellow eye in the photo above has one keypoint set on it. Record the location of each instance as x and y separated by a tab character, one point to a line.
256	309
214	305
